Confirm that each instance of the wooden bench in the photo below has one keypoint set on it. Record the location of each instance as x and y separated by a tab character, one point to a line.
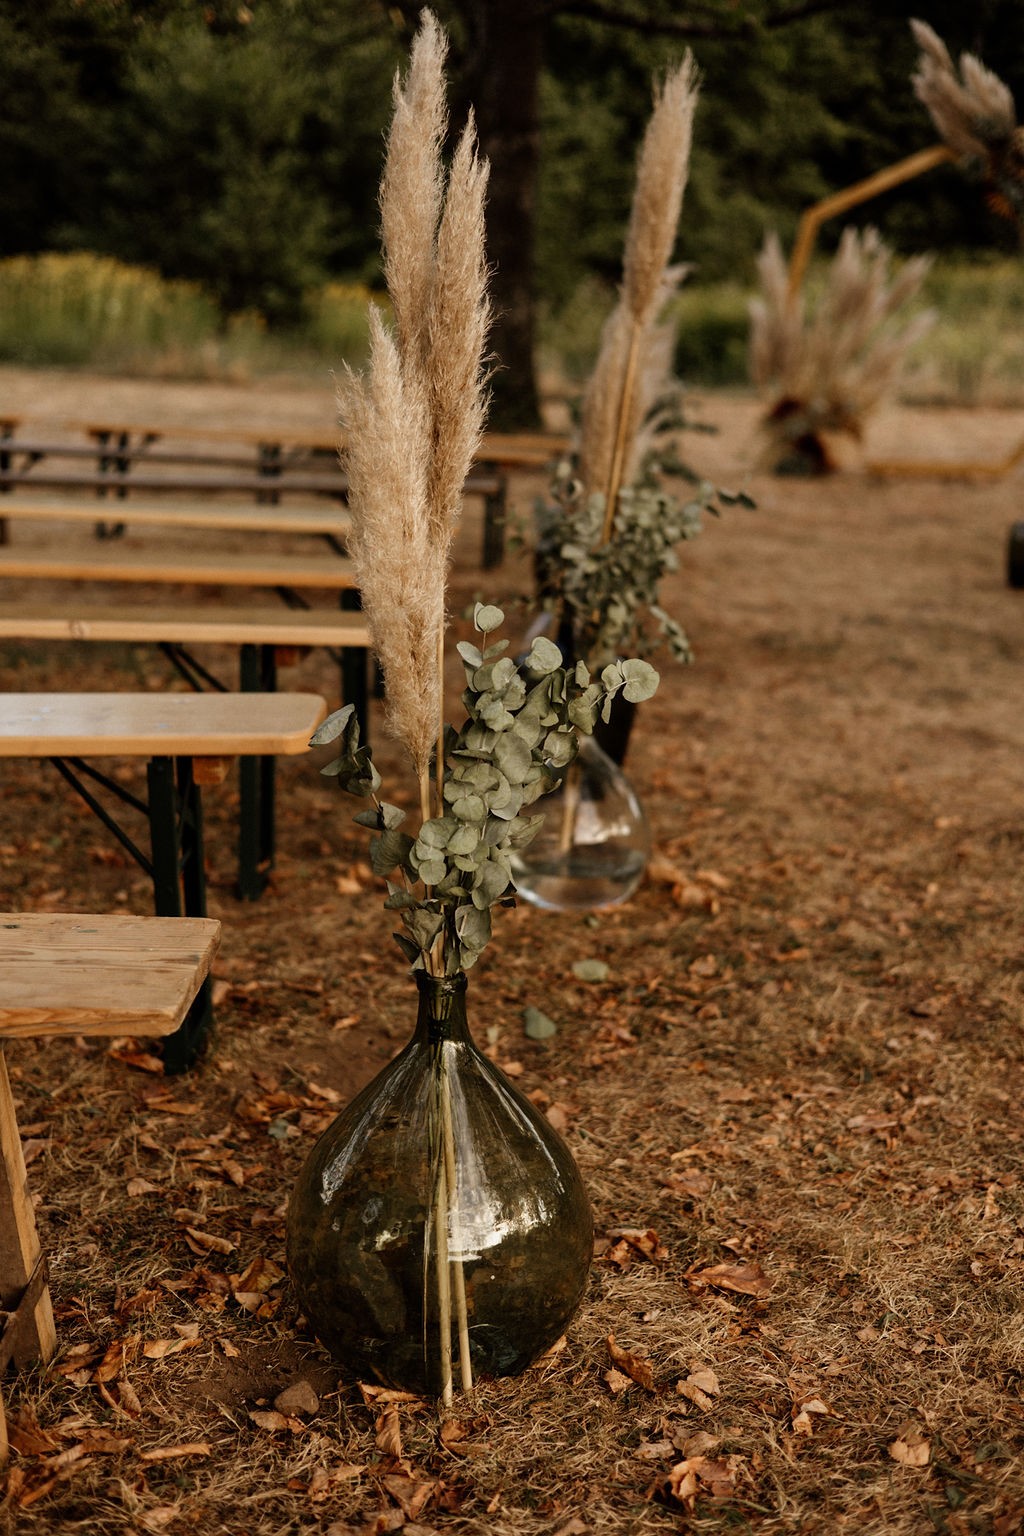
186	567
188	740
209	516
278	456
67	974
283	573
28	462
267	638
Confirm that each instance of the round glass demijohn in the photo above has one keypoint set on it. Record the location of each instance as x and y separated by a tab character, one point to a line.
440	1227
593	846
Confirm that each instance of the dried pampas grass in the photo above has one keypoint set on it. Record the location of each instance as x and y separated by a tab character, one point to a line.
975	117
631	364
412	423
826	371
971	114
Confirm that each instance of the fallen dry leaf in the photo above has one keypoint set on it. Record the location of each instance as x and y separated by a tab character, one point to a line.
699	1388
689	1181
616	1382
410	1493
206	1242
389	1432
643	1242
746	1279
911	1448
273	1421
159	1349
703	1475
176	1452
634	1366
372	1395
140	1186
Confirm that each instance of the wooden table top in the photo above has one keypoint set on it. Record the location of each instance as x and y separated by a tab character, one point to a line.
157	724
79	974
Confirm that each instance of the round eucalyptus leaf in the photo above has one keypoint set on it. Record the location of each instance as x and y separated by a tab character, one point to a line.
544	656
487	617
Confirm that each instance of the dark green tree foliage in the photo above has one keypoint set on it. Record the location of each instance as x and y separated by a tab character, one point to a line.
61	65
240	144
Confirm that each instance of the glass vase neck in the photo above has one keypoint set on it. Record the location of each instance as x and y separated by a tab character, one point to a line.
442	1006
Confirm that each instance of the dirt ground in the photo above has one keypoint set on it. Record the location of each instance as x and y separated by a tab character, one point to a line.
797	1092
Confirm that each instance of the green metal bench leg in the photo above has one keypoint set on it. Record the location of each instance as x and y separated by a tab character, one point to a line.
256	787
494	525
354	689
179	886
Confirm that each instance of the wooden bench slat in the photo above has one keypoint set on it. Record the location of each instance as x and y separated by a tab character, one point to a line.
69	974
183	625
210	515
327	573
496	447
288	481
157	724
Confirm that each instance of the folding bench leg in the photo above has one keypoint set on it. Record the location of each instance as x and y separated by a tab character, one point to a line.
29	1333
179	885
354	688
256	825
494	523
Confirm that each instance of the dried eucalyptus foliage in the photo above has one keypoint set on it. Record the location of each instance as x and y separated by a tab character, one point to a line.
975	116
519	736
605	594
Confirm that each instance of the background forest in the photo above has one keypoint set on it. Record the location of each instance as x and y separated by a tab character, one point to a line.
236	146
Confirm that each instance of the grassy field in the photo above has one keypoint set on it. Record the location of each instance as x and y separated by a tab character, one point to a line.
90	312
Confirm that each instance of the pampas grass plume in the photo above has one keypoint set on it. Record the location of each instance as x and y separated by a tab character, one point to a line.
412	423
623	386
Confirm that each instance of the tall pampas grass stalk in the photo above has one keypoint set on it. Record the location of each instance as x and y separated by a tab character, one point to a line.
413	422
624	382
411	427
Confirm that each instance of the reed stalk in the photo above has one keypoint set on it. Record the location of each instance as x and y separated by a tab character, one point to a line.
457	1272
622	387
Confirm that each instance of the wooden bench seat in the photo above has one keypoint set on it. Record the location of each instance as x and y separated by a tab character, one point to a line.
90	974
187	567
279	460
76	974
184	624
211	516
194	482
266	638
187	740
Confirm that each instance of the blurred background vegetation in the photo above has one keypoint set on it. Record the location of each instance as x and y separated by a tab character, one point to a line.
192	189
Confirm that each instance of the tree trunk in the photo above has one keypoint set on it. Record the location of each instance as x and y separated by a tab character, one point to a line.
502	80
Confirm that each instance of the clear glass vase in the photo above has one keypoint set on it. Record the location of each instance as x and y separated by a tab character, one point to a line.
440	1227
593	846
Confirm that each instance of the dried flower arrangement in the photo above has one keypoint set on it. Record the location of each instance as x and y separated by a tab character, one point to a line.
824	372
811	391
608	533
975	117
411	425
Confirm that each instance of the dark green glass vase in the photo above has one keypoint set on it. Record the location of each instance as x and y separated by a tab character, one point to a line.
439	1229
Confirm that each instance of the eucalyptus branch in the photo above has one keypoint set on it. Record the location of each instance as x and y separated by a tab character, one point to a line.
519	736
